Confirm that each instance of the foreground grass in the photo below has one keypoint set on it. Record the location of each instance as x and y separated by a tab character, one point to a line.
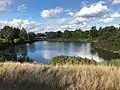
17	76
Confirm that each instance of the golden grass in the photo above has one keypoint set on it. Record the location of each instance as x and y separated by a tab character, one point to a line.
16	76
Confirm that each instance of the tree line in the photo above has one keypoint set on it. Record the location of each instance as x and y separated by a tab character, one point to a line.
81	34
105	38
15	35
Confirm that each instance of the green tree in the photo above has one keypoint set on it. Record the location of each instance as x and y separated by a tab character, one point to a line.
31	36
59	34
7	33
76	34
51	35
67	34
23	34
93	32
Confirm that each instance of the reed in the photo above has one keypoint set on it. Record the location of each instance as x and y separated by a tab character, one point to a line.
17	76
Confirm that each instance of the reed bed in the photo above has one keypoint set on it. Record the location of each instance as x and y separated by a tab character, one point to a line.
25	76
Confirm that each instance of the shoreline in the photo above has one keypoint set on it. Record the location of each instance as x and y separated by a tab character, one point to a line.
105	49
3	45
81	41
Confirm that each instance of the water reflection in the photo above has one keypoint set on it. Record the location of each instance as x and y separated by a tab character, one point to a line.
32	48
43	51
106	55
15	53
20	50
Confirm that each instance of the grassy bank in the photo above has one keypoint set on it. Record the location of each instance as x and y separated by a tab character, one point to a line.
16	76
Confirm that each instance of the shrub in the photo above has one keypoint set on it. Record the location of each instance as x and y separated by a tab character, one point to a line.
70	60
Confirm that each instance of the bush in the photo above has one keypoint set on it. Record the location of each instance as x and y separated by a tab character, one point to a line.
70	60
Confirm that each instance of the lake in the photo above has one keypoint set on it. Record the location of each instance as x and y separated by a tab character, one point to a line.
43	51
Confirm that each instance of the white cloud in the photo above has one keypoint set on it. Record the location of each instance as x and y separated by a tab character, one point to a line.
22	7
70	14
3	1
3	4
74	23
85	18
33	26
51	13
2	9
116	25
78	20
18	23
97	12
62	20
116	1
107	20
93	10
49	25
115	15
74	26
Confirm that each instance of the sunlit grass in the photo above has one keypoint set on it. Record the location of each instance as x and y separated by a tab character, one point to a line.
17	76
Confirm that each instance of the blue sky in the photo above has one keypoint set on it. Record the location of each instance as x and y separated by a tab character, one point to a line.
54	15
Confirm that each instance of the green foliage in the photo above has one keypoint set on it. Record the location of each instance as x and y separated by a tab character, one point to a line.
62	60
13	57
112	63
59	34
70	60
67	34
23	34
93	32
107	38
41	35
31	36
51	35
11	35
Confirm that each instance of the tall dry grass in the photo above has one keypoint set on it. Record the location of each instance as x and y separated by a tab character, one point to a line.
16	76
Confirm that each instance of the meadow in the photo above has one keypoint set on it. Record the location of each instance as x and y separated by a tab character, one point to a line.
26	76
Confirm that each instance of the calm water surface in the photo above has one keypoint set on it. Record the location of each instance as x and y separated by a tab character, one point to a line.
43	51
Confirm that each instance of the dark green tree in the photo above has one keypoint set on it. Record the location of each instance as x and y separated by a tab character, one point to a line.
31	36
67	34
23	34
59	34
93	32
